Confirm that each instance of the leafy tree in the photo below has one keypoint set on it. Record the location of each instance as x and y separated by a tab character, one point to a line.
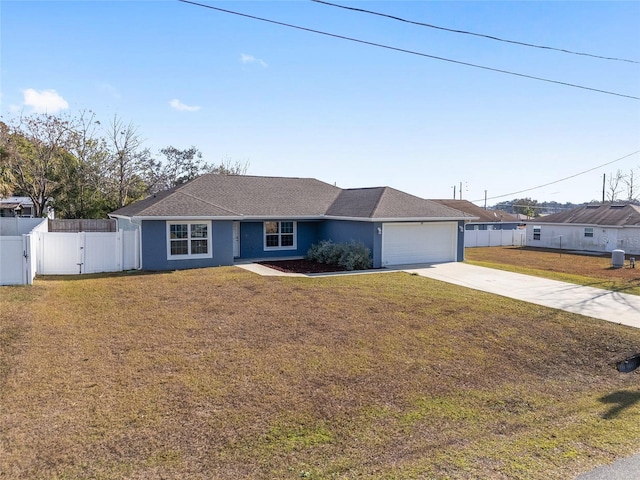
6	180
229	167
181	166
85	170
525	206
126	163
35	161
178	167
86	195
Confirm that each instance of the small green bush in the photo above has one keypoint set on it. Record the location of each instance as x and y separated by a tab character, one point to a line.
350	256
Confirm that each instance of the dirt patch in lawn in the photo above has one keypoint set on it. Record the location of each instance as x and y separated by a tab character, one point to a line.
301	266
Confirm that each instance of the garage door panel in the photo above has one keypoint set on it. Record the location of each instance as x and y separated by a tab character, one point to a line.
406	243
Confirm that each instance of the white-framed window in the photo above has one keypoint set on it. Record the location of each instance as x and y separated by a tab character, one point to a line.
536	232
188	239
281	235
588	232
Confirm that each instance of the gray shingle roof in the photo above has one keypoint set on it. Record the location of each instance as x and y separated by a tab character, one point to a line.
606	214
482	214
244	196
386	202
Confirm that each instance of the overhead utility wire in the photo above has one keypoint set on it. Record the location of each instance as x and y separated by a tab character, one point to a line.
561	180
474	34
507	72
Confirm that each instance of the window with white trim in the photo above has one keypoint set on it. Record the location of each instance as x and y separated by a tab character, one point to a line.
536	232
588	232
188	240
280	235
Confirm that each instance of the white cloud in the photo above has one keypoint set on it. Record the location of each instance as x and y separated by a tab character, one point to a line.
178	105
245	58
45	101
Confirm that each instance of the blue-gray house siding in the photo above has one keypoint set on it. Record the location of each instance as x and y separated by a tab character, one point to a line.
252	240
344	231
154	247
154	241
460	252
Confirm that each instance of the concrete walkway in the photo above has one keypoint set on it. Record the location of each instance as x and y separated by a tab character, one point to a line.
614	307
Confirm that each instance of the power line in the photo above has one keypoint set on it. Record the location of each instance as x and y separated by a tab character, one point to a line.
506	72
558	181
464	32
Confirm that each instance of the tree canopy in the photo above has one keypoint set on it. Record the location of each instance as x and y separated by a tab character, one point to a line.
84	168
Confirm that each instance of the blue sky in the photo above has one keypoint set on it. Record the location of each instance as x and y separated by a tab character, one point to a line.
294	103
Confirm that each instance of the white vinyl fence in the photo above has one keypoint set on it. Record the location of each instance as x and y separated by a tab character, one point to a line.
18	250
12	264
88	252
495	238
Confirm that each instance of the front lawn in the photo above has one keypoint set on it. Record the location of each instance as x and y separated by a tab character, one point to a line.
220	373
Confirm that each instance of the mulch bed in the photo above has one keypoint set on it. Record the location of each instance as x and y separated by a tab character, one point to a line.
301	266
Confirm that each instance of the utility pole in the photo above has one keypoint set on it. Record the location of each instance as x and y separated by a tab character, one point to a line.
460	190
454	192
485	199
604	176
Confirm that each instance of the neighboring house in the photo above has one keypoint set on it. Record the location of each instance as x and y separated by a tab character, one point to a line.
597	228
492	228
487	219
219	219
16	207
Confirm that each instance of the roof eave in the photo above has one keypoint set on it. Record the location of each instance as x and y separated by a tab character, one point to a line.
401	219
180	217
578	224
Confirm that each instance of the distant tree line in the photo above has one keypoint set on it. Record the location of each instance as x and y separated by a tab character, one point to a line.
83	168
616	187
532	208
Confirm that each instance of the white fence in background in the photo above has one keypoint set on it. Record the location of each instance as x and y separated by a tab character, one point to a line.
88	252
495	238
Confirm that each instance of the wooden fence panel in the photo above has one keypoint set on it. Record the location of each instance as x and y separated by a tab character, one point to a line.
82	225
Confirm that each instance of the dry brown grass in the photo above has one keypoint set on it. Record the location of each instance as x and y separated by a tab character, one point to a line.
591	270
219	373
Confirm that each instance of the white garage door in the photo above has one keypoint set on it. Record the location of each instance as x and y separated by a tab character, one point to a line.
406	243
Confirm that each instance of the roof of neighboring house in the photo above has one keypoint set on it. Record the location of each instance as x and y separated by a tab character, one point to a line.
10	205
483	215
387	202
13	202
604	214
243	196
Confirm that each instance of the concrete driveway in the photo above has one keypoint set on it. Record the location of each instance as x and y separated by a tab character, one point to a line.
614	307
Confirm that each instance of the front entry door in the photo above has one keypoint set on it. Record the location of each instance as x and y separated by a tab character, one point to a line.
236	239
